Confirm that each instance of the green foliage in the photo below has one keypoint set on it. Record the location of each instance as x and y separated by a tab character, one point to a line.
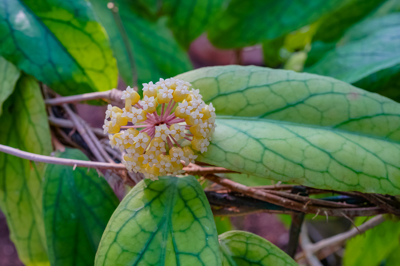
163	222
332	27
306	129
77	205
144	49
59	42
307	155
223	224
299	98
246	23
9	75
186	19
24	126
374	246
367	55
241	248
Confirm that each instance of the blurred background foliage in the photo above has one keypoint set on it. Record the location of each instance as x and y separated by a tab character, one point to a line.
80	46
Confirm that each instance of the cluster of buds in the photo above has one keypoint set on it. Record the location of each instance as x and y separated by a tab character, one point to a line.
165	126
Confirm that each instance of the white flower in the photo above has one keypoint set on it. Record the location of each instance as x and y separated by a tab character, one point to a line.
150	87
127	137
204	144
197	104
183	89
178	132
196	94
192	158
178	156
196	115
137	115
141	140
185	108
211	108
164	166
126	94
150	159
158	147
162	131
105	126
109	110
165	92
147	102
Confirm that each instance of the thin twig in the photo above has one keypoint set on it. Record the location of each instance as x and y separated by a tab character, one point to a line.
62	161
304	242
65	123
84	134
81	163
340	239
287	203
96	141
111	95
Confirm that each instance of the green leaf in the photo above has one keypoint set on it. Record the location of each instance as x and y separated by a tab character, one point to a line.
375	245
246	23
241	248
306	129
9	75
58	42
144	49
189	19
249	180
163	222
24	126
332	27
77	205
223	224
271	52
296	97
307	155
393	258
368	55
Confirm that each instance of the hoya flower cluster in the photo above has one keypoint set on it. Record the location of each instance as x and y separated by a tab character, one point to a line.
165	128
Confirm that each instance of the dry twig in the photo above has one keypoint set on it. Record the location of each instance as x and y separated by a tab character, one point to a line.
339	239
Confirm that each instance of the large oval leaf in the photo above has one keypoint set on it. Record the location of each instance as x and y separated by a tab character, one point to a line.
146	50
306	129
246	23
24	126
240	248
58	42
296	97
306	155
77	205
9	75
163	222
367	55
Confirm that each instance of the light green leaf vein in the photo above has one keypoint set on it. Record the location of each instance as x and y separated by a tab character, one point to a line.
164	222
24	126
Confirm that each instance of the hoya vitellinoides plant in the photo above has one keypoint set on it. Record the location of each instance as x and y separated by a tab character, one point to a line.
161	132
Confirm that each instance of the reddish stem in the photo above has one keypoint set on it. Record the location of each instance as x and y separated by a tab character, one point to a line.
136	126
188	139
162	110
169	142
175	141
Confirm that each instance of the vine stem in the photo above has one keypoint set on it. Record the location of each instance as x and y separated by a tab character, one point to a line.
291	204
340	239
190	169
112	95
